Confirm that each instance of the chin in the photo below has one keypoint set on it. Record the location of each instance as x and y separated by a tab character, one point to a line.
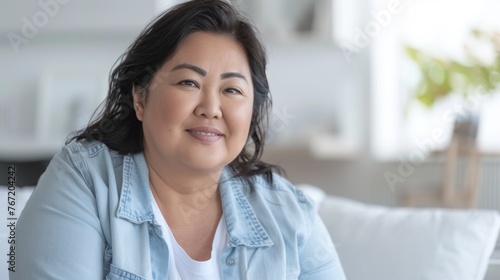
204	166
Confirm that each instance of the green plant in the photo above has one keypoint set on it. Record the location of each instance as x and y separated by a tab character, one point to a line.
441	76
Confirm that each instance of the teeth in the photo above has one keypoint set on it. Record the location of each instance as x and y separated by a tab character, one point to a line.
204	133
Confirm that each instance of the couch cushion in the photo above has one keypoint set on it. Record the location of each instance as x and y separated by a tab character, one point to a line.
375	242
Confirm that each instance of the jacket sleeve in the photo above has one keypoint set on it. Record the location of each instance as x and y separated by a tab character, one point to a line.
58	234
318	257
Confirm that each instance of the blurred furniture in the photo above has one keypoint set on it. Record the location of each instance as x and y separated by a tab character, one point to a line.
27	171
376	242
461	178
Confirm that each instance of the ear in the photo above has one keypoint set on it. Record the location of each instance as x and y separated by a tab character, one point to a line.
138	95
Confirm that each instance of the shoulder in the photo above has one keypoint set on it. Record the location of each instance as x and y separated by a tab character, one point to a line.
281	187
85	150
287	204
88	158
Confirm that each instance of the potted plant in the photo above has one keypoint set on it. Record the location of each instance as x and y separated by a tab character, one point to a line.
441	76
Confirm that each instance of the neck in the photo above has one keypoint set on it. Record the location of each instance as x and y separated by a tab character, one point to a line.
185	199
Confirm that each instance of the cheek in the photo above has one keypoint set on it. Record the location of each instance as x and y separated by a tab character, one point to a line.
240	119
165	112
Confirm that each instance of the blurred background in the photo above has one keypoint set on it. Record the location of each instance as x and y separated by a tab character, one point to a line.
369	96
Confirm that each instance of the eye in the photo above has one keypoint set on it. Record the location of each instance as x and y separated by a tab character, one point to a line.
233	91
188	83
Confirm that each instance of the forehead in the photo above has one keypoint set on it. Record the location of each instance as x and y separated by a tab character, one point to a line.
211	48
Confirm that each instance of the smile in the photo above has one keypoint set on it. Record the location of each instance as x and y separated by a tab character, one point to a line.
204	133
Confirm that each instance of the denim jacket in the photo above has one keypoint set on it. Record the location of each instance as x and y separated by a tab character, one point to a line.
90	217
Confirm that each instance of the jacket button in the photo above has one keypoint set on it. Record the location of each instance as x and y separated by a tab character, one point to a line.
230	261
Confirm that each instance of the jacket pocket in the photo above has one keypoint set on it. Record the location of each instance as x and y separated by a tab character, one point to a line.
116	273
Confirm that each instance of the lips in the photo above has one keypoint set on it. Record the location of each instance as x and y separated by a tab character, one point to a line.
205	134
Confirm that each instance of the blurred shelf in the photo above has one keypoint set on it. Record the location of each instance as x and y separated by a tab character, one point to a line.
33	17
28	150
482	152
320	146
330	146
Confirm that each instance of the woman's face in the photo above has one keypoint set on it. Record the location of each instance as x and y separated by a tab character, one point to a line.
199	105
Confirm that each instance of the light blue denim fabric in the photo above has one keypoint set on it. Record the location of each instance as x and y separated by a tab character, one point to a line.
90	217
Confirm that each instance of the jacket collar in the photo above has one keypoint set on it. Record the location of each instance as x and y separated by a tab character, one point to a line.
135	199
243	225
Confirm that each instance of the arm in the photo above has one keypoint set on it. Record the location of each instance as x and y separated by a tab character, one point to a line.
318	257
59	234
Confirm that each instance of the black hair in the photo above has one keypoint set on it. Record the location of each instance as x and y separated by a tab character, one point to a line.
117	125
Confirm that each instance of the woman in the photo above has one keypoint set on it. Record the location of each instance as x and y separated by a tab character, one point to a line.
167	183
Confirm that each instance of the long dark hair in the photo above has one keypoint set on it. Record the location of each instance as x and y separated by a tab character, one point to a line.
117	125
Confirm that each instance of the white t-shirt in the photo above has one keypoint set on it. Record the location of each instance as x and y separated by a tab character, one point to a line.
180	265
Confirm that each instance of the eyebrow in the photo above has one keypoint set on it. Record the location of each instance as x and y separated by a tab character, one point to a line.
190	67
204	73
232	75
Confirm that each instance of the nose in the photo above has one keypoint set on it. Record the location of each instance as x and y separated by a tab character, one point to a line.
209	105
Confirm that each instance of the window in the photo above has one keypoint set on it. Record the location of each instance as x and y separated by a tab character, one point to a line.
440	27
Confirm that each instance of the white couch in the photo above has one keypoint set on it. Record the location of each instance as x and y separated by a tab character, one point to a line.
375	242
380	243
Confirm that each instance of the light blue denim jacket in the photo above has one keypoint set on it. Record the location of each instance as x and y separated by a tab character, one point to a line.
90	217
